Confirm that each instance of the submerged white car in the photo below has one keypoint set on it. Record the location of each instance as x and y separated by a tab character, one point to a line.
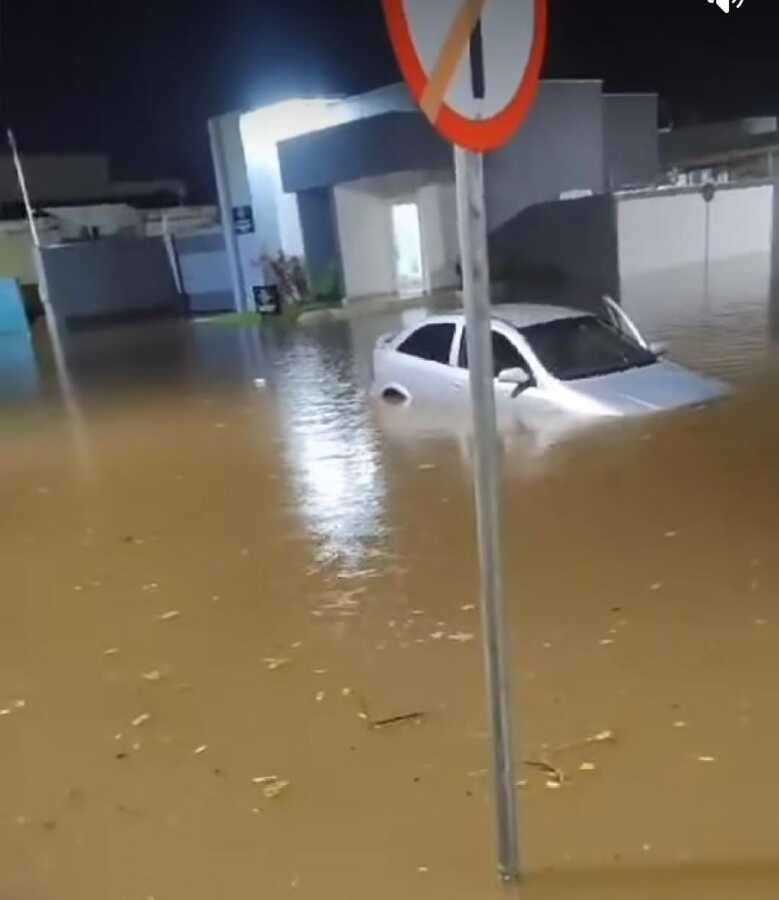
549	360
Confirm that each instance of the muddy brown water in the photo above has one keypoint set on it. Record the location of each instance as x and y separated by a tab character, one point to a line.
317	550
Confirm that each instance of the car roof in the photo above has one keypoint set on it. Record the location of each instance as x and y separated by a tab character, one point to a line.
521	315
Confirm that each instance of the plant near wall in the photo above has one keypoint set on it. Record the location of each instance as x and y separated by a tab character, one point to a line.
289	275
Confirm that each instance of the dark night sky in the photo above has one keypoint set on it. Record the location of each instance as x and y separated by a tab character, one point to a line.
139	79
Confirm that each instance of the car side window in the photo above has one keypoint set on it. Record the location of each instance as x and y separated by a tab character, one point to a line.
430	342
505	354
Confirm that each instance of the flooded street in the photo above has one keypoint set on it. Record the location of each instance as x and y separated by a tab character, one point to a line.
215	590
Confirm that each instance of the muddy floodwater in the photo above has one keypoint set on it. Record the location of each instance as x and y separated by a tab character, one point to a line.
213	590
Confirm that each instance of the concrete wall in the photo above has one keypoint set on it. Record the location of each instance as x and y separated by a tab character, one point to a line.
668	229
440	242
365	237
560	148
562	252
394	142
110	277
204	272
709	298
320	234
52	179
632	140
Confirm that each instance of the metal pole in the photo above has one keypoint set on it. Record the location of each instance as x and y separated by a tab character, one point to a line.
69	397
469	170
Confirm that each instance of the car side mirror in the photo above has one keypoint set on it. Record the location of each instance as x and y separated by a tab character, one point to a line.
659	348
521	379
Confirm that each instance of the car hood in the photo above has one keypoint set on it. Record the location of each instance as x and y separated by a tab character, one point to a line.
662	385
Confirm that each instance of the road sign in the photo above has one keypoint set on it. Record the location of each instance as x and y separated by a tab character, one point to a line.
478	106
473	66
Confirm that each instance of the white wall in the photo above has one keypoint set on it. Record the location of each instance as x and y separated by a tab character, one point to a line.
365	235
666	230
712	309
440	244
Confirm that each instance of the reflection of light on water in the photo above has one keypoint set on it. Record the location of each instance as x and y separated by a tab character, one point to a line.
333	453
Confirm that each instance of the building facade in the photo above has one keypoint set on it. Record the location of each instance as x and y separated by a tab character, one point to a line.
363	188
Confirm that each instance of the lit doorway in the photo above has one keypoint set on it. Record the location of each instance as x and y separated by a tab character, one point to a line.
407	236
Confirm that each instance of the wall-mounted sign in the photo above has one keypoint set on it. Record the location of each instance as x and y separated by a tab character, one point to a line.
267	298
243	220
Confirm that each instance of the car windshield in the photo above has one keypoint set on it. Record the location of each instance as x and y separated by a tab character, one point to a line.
584	347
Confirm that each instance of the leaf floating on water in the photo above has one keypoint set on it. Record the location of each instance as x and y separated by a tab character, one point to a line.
601	737
200	750
170	615
273	790
140	720
271	663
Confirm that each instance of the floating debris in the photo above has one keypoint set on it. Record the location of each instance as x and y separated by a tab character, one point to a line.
646	848
761	622
274	789
478	773
296	646
265	779
601	737
522	783
320	671
346	692
468	607
680	724
154	675
671	534
170	615
140	720
417	612
587	767
438	635
20	704
657	586
320	696
111	651
200	750
554	785
5	712
423	869
462	637
273	663
606	642
426	467
707	759
547	646
151	586
554	775
260	382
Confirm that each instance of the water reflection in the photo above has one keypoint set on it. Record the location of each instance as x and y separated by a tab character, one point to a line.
331	446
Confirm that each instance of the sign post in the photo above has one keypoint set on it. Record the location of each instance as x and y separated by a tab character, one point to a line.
474	66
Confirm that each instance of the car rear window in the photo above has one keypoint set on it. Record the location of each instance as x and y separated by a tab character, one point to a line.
430	342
